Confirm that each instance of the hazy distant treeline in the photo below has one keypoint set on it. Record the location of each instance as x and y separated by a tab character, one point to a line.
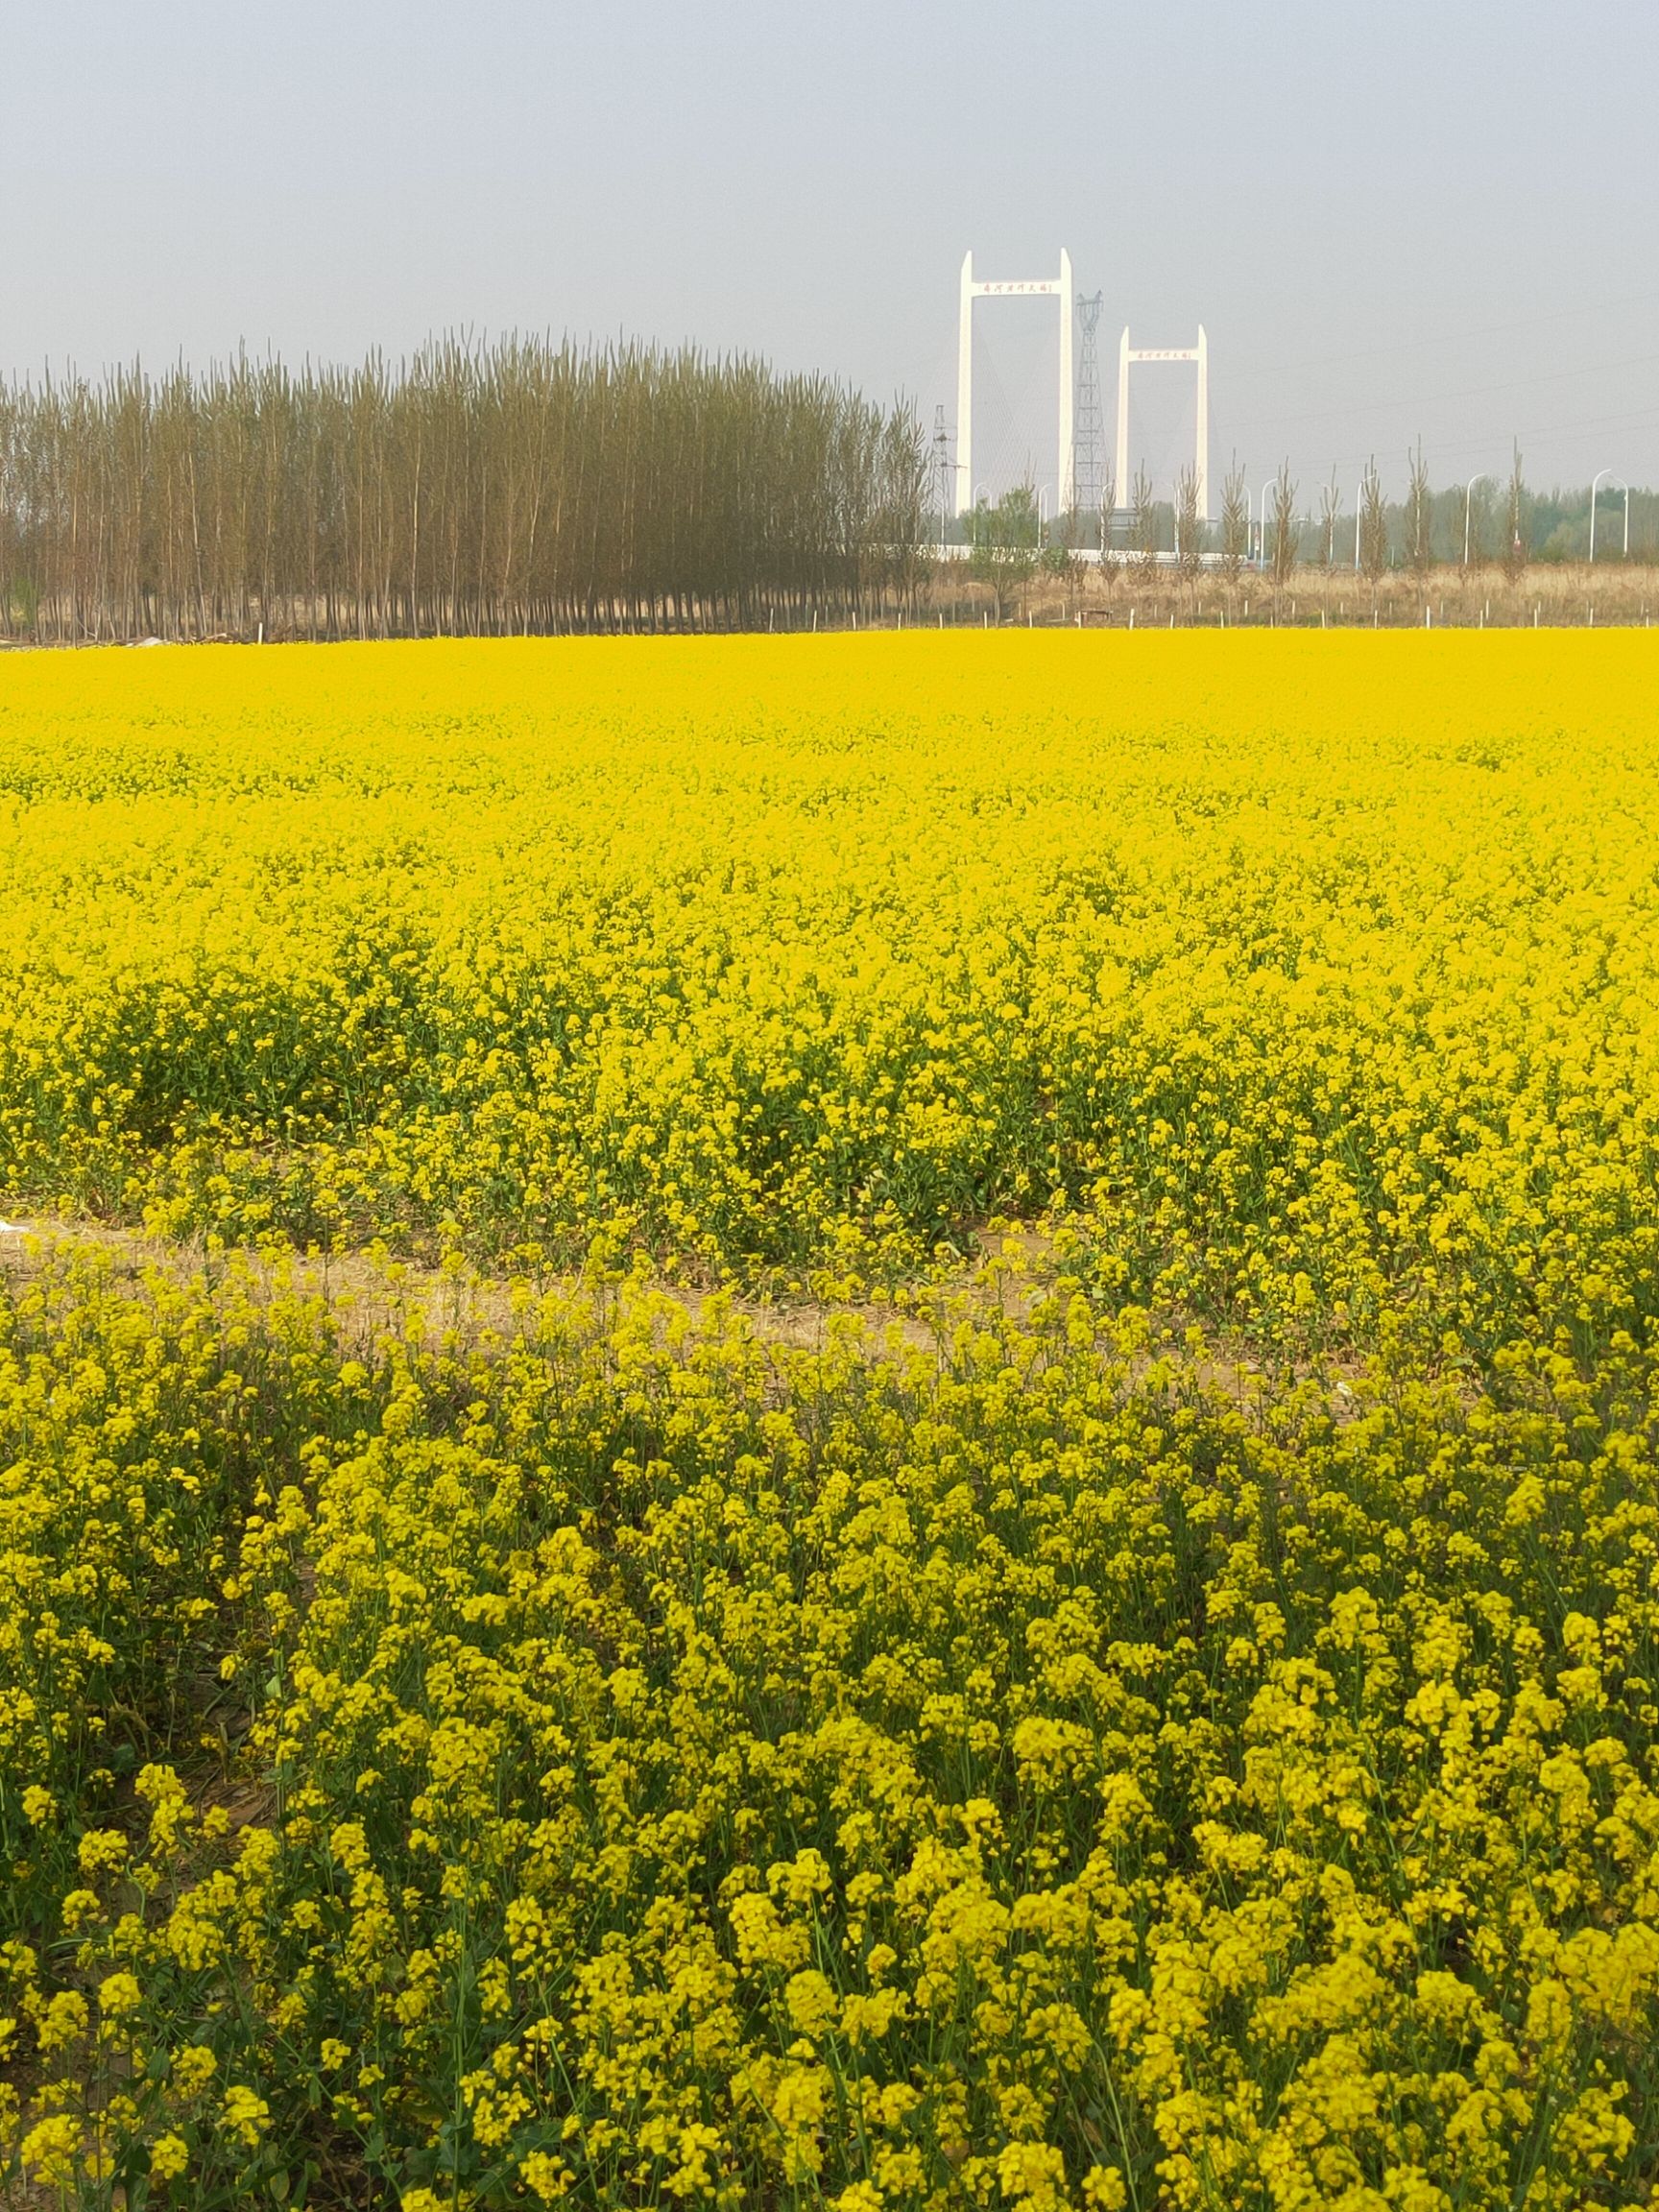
525	486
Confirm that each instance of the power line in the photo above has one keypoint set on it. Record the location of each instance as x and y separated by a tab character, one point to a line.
1503	445
1469	391
1456	337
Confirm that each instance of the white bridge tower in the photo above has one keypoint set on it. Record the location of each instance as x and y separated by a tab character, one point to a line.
1127	356
1058	286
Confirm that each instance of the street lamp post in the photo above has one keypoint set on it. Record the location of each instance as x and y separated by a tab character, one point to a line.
971	535
1595	485
1468	503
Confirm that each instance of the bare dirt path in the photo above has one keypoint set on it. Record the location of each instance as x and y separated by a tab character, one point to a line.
372	1297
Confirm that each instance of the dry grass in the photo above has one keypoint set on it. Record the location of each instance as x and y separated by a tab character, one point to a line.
1609	594
1015	1271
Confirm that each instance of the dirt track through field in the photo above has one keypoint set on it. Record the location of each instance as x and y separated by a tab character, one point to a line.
369	1297
372	1298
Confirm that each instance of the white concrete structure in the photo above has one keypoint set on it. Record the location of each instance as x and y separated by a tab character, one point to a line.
1127	356
1061	286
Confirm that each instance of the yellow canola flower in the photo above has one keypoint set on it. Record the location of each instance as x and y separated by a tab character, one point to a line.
246	2115
1314	976
169	2157
590	1749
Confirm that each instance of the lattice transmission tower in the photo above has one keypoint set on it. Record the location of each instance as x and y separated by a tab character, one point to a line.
943	475
1089	438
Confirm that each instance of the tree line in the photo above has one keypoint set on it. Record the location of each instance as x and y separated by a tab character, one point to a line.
526	486
1490	520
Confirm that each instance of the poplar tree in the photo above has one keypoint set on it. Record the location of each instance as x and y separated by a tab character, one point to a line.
528	486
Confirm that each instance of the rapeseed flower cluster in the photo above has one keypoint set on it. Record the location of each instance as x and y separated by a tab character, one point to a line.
1318	975
610	1759
618	1765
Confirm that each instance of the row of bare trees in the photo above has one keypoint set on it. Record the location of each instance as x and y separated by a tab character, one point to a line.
1280	530
524	487
1281	534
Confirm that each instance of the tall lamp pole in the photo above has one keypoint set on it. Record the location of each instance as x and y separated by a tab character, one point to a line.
1468	503
1594	486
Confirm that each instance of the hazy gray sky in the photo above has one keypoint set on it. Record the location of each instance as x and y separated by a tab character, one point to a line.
1393	219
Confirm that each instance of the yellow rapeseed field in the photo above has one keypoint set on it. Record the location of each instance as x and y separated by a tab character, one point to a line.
1181	1734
